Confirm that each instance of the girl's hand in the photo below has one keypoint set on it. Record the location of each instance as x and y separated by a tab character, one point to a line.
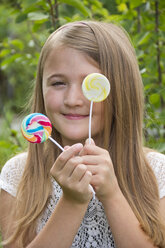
100	165
72	175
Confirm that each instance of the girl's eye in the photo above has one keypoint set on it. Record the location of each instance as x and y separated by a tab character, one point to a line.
58	84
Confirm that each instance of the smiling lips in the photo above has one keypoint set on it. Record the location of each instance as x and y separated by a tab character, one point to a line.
75	116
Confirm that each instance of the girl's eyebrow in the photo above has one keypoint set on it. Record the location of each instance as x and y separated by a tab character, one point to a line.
55	75
61	75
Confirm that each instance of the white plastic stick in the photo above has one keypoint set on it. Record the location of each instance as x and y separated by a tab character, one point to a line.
57	144
93	192
90	121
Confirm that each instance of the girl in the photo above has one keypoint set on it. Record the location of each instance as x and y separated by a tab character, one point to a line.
48	191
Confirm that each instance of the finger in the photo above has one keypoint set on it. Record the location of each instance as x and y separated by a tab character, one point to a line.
71	164
86	179
66	147
78	172
89	149
93	169
91	159
67	154
83	152
87	142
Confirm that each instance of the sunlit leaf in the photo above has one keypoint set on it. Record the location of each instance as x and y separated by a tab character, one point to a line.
18	44
4	52
36	16
122	7
154	98
144	39
78	5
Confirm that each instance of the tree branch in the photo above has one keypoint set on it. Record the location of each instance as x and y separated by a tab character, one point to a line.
138	19
56	13
157	42
52	14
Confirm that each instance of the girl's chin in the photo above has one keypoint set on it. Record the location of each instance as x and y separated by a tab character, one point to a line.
73	140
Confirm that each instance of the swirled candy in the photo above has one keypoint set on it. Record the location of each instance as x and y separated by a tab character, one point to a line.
36	128
96	87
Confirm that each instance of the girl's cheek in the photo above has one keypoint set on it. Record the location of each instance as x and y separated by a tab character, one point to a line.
52	98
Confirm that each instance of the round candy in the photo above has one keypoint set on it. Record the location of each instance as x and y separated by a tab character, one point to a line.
96	87
36	128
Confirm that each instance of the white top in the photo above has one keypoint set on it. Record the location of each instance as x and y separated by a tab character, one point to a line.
94	230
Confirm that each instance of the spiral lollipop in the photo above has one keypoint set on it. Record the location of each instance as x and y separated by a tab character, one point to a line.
96	88
37	128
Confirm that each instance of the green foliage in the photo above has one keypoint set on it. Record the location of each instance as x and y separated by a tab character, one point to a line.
27	24
11	140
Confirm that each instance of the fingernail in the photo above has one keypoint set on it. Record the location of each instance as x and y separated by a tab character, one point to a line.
66	147
78	145
87	141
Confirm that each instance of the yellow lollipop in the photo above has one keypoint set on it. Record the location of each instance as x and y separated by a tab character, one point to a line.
96	88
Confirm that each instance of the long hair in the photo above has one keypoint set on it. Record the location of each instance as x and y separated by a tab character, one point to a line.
110	47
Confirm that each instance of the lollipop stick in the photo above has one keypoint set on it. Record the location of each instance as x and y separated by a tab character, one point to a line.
93	192
55	142
90	121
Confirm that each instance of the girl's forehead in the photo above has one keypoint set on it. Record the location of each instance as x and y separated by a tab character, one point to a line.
63	57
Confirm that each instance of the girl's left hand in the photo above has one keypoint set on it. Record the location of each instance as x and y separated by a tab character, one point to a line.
99	163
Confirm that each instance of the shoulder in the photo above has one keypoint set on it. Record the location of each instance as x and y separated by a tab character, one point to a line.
11	173
157	163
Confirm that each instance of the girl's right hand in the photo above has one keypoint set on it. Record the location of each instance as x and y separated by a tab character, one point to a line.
72	175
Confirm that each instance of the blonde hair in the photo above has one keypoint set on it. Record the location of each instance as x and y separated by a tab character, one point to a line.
110	46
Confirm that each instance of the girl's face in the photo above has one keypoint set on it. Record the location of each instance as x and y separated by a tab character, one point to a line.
65	104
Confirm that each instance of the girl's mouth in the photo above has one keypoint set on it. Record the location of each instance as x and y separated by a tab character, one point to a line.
75	116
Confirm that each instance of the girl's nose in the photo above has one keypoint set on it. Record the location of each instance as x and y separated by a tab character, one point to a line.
74	96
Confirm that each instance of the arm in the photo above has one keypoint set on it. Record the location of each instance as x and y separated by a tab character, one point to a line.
63	224
59	230
6	202
162	208
123	222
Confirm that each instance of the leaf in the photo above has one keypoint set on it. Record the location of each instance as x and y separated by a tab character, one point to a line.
154	98
10	59
78	5
20	18
122	7
18	44
37	16
136	3
4	52
144	39
13	132
28	3
6	144
148	86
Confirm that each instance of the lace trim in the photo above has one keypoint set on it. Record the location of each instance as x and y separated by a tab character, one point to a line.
11	173
157	163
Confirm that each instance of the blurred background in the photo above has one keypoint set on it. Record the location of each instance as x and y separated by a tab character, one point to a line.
24	27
